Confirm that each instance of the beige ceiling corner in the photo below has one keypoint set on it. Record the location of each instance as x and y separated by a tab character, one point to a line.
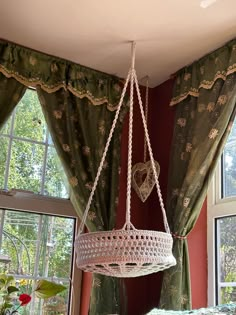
169	33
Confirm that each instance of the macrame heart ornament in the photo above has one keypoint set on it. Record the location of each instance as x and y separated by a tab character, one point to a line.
143	179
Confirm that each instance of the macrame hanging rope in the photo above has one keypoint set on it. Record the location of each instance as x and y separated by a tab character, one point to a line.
143	179
132	77
81	227
146	118
128	196
151	157
127	252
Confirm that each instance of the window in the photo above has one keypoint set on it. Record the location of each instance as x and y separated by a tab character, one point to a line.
222	227
28	160
37	221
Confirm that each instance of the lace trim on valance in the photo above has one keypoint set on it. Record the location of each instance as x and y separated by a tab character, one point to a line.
33	82
51	73
203	73
204	84
93	100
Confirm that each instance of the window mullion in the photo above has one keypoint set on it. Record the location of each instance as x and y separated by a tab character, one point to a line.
37	255
25	139
1	226
44	164
37	258
218	263
9	150
218	183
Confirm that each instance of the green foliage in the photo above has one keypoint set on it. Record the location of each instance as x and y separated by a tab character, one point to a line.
227	225
12	289
26	164
3	158
230	164
5	280
8	305
7	289
54	260
46	289
26	172
60	263
29	119
227	234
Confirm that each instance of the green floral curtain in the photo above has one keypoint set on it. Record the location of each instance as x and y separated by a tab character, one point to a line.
11	92
70	95
79	131
205	94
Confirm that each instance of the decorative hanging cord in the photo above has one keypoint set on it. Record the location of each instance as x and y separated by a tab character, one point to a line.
146	118
151	157
128	224
143	180
127	252
81	227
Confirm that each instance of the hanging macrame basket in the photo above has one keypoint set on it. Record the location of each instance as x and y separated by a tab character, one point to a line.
127	252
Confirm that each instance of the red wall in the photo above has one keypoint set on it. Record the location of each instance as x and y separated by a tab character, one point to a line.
161	135
197	243
143	292
85	293
161	128
136	288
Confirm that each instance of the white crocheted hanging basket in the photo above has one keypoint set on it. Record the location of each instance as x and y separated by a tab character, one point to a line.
122	253
127	252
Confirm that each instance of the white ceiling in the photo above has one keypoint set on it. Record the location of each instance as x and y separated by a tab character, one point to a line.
169	33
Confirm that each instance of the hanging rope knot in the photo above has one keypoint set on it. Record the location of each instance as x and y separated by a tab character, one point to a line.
180	237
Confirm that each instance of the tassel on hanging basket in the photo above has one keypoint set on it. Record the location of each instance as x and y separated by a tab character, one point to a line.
127	252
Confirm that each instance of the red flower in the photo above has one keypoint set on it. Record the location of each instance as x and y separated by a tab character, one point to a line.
24	299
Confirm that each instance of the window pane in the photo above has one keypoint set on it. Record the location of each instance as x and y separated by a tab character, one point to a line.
34	164
6	128
29	119
3	158
20	240
226	248
226	258
37	246
61	249
229	165
228	295
55	179
50	142
26	166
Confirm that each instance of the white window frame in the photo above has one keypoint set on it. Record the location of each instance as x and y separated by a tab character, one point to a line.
11	137
22	200
26	201
216	207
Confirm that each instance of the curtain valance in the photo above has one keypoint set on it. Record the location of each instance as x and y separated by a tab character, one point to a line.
204	72
33	68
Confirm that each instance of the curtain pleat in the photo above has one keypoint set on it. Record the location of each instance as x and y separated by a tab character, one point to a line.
202	125
11	91
79	131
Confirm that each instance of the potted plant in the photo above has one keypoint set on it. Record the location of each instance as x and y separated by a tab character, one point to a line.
11	299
